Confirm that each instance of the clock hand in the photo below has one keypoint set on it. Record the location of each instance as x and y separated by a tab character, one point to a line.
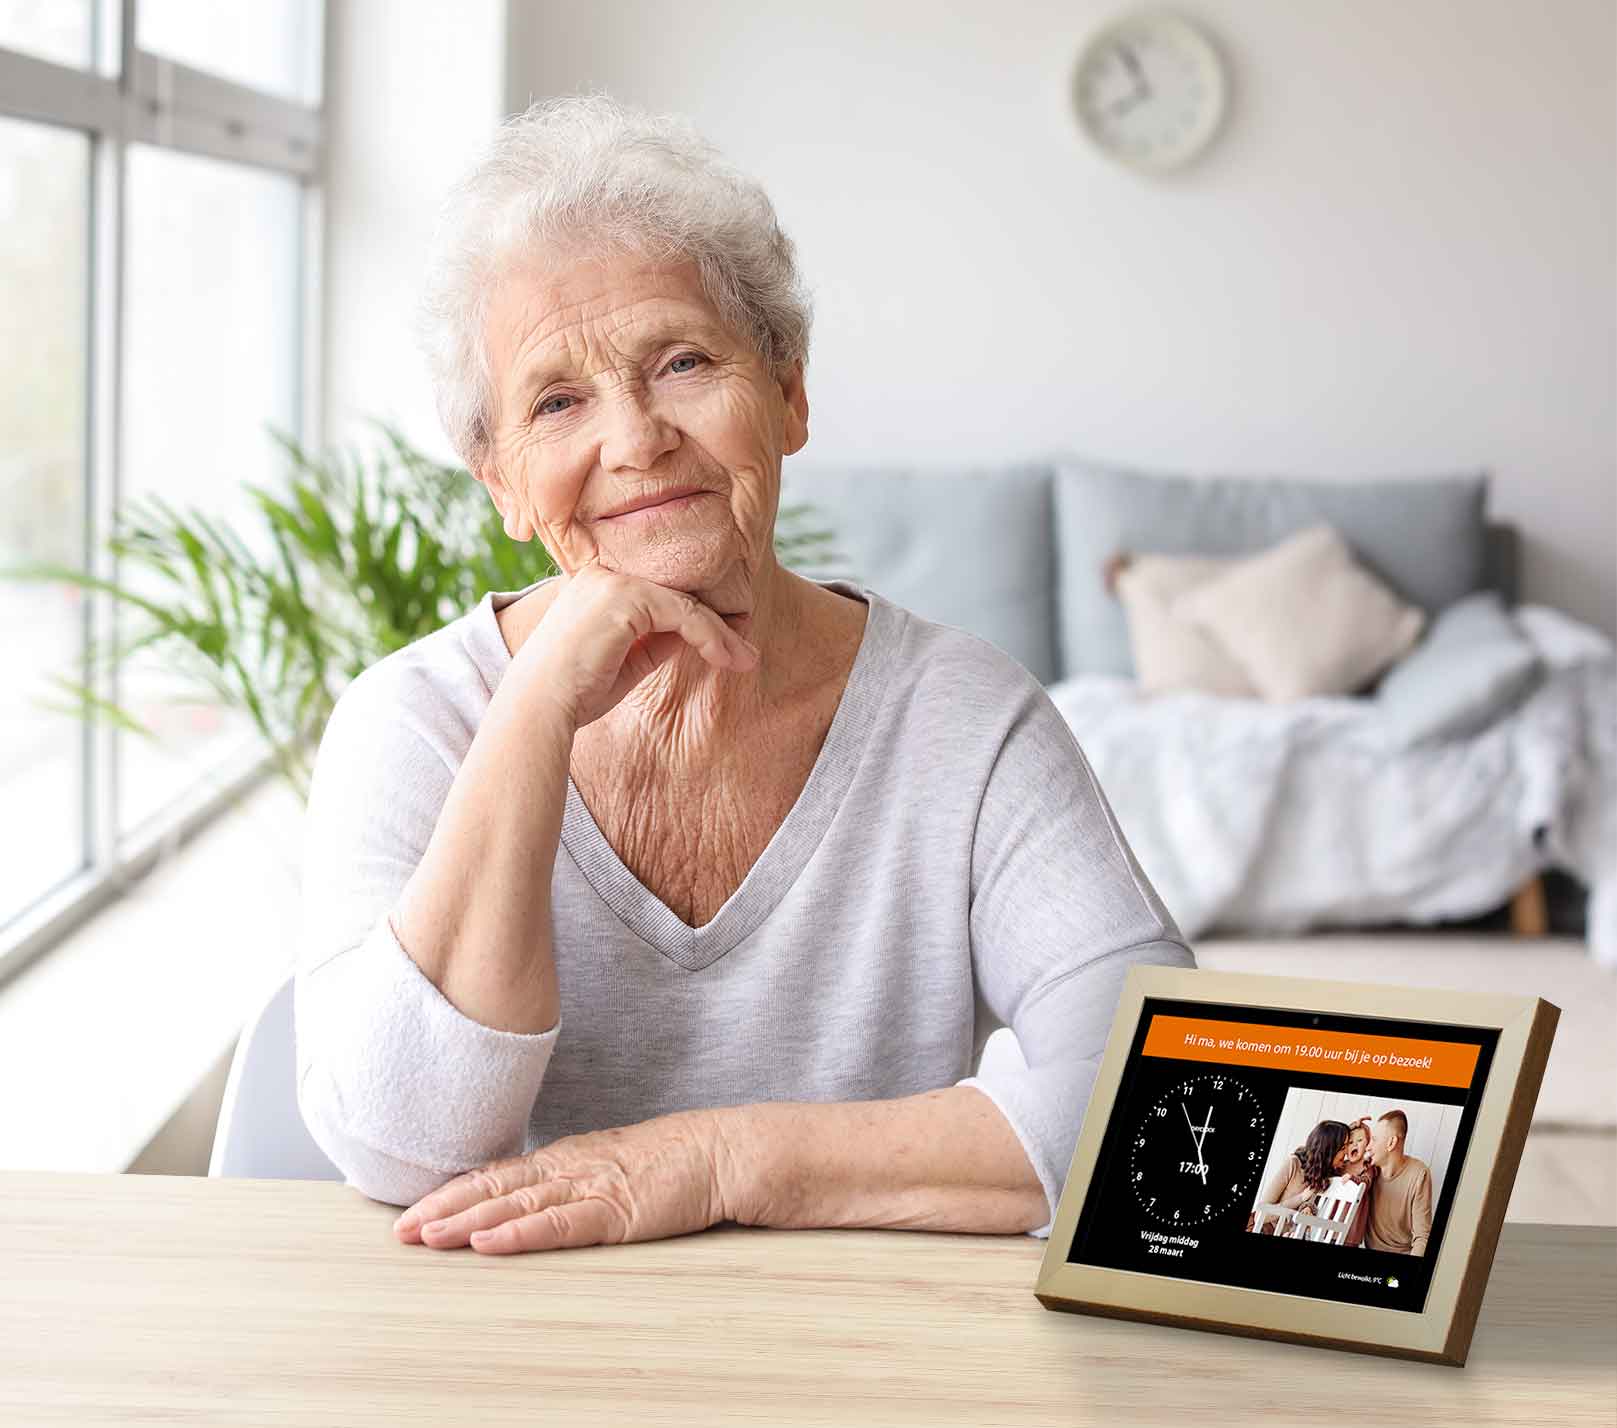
1195	1140
1200	1158
1201	1134
1132	60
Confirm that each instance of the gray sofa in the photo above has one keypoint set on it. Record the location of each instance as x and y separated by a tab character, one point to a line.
1014	553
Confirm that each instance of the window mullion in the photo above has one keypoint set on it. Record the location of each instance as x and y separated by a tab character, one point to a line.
49	93
311	285
104	471
183	108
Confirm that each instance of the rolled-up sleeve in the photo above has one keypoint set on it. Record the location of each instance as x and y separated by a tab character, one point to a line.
399	1088
1060	910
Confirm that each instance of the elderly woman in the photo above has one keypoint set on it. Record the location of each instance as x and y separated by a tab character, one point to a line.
677	888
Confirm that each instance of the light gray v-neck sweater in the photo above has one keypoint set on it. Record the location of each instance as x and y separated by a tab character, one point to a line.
951	866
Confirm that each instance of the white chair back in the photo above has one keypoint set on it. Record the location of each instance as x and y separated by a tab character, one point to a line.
261	1134
1333	1212
1262	1214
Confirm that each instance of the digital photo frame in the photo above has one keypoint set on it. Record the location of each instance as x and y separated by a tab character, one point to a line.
1315	1161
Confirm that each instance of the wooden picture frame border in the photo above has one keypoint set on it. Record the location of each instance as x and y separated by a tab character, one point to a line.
1441	1332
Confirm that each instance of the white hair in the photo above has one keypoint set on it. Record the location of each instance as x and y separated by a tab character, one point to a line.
587	171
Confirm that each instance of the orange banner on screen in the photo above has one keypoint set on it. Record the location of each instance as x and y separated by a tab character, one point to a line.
1300	1048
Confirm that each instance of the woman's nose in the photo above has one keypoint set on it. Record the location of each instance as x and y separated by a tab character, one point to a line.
637	435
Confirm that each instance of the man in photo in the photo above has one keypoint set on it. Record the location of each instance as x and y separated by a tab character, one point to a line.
1401	1194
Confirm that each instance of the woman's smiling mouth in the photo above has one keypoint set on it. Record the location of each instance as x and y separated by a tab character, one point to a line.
668	507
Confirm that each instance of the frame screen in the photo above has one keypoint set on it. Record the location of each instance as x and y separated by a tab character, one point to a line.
1231	1155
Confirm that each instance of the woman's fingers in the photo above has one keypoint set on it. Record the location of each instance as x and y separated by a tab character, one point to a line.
534	1217
488	1182
606	632
572	1225
666	610
703	627
452	1230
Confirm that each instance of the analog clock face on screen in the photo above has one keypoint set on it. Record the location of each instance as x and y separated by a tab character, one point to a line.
1198	1149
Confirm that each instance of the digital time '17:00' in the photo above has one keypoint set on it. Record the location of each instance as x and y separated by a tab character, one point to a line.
1198	1149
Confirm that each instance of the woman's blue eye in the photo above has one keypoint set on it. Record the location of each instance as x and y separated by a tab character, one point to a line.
544	408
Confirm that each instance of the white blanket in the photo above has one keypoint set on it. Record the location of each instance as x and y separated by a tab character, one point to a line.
1276	818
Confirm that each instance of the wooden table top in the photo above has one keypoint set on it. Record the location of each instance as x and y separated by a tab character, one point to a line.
156	1298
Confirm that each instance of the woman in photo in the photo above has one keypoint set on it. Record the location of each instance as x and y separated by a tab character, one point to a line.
1296	1183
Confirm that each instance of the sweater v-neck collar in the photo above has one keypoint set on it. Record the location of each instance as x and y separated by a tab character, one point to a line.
794	842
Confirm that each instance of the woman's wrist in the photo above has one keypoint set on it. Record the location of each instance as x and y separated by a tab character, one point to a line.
534	686
742	1158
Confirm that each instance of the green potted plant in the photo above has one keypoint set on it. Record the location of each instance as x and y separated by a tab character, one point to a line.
359	554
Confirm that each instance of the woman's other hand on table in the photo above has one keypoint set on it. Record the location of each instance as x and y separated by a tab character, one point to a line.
648	1181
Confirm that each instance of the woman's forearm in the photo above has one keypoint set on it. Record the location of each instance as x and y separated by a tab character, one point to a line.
942	1160
475	914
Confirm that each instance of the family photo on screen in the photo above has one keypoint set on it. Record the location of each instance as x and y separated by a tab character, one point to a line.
1355	1171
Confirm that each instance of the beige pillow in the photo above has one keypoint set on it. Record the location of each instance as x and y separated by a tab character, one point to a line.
1169	652
1304	618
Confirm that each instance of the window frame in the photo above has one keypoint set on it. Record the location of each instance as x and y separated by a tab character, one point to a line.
128	95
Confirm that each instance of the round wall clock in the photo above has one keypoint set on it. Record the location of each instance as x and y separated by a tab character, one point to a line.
1198	1149
1150	89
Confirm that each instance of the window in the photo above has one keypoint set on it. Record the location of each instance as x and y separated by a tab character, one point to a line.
159	191
266	44
45	213
58	30
210	358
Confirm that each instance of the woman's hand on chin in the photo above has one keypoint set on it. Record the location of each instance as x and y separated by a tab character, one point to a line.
649	1181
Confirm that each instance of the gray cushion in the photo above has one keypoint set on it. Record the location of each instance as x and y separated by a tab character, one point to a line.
1471	667
1502	561
1425	537
966	546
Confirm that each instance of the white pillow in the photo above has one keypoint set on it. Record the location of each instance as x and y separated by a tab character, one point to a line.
1169	652
1304	618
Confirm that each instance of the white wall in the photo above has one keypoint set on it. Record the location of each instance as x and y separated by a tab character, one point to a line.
414	89
1398	258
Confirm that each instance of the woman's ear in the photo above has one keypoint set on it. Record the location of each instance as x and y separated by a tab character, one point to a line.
517	525
792	388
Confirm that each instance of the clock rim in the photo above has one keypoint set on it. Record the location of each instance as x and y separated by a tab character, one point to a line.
1212	59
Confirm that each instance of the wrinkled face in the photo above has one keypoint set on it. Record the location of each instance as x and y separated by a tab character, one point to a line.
615	380
1382	1135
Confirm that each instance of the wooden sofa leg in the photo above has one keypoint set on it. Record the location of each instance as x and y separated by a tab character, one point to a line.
1529	914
